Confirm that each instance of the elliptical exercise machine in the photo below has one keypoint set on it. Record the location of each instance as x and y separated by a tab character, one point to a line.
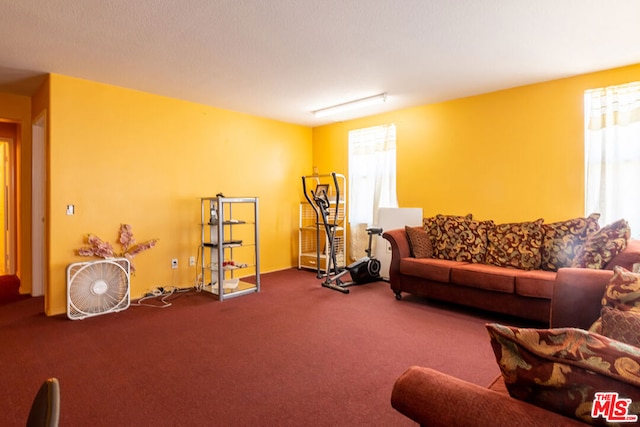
366	269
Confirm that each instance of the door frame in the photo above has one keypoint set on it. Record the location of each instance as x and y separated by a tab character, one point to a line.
9	207
38	205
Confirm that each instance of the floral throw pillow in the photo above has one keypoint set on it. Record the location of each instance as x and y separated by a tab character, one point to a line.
621	293
419	242
621	325
563	240
515	245
623	290
472	241
442	232
562	369
463	239
601	246
430	226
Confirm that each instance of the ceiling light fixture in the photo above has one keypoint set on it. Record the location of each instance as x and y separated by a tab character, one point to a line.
351	105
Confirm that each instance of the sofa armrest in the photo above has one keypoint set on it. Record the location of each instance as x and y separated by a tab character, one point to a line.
577	297
629	256
399	242
432	398
578	292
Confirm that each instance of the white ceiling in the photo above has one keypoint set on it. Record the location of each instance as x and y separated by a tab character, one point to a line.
283	59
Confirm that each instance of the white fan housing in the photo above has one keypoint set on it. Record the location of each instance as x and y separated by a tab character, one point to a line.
97	287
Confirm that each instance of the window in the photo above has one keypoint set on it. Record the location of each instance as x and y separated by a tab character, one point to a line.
612	154
372	180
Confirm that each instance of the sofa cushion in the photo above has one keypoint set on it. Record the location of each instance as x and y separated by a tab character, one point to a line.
419	242
563	369
432	225
448	234
535	283
472	241
438	270
462	239
601	246
621	293
623	290
515	245
563	240
489	277
621	325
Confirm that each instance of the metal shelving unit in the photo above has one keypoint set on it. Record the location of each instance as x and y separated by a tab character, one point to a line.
230	246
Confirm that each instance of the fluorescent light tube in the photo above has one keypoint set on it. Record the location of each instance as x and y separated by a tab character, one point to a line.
351	105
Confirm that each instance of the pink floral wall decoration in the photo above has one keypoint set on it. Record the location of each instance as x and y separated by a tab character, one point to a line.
128	246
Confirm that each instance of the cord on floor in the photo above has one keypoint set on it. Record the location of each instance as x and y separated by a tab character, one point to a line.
160	295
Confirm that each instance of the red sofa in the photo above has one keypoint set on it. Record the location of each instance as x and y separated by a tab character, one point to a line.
527	294
431	398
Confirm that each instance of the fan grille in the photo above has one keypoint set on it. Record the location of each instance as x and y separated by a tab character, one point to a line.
97	287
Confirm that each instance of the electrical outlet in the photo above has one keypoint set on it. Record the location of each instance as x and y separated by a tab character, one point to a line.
192	261
174	263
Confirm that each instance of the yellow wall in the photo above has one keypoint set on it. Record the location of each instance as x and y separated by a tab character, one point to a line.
510	155
123	156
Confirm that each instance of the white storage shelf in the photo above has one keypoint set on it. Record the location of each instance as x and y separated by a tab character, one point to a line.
308	239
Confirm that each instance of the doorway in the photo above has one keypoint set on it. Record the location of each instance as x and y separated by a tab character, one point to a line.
5	213
8	214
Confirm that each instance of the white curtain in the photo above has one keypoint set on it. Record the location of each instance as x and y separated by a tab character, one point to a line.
612	154
372	181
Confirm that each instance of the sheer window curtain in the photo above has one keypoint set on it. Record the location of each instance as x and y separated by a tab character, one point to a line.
612	154
372	181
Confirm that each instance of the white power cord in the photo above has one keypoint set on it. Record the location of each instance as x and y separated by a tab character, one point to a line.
156	293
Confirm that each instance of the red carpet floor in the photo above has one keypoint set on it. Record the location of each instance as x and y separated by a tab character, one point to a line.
295	354
9	289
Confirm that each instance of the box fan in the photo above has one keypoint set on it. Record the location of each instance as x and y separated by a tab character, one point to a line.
97	287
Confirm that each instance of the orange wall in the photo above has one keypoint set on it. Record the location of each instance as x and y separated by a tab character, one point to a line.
123	156
510	155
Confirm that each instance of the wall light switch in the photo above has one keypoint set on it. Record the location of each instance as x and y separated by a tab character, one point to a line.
71	209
